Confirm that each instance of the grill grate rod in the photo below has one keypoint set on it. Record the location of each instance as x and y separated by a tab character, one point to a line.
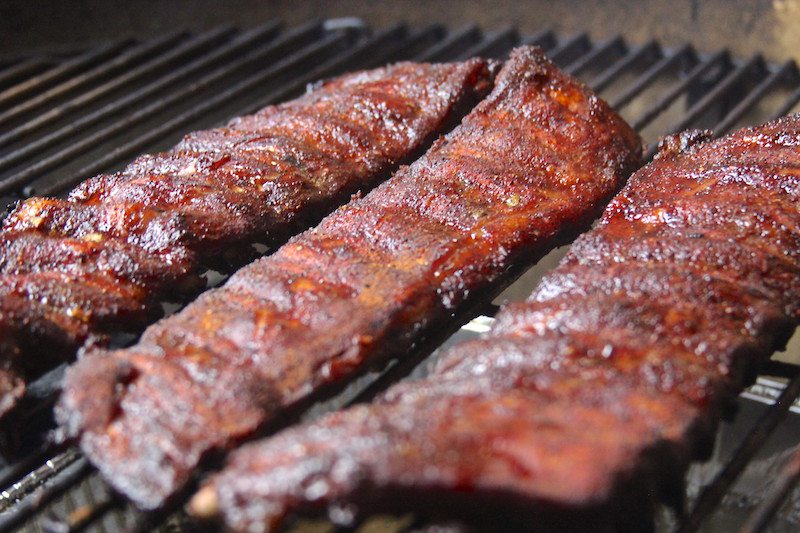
709	500
418	41
55	184
609	47
370	52
649	76
612	73
34	479
114	108
13	74
64	480
720	58
791	101
307	53
153	65
492	46
754	96
786	481
721	89
577	44
451	44
20	468
122	61
62	71
544	39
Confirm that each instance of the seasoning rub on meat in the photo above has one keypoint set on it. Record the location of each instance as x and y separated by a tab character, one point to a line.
104	259
530	165
586	403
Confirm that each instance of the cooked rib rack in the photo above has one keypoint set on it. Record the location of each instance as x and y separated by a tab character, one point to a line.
525	170
586	403
75	271
198	81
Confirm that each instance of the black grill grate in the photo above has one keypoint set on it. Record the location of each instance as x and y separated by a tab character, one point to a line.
69	115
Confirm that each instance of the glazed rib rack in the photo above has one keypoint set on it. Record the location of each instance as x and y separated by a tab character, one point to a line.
70	114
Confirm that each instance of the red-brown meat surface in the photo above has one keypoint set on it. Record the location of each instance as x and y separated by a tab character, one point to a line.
532	163
104	259
586	403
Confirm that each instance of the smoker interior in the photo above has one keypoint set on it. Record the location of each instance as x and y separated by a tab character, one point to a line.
66	115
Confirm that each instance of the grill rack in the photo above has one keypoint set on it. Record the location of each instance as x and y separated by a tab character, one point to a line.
70	114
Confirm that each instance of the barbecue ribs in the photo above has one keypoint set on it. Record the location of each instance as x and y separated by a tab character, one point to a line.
529	166
587	402
104	259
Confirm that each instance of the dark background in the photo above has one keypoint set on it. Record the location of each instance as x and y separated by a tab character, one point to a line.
747	26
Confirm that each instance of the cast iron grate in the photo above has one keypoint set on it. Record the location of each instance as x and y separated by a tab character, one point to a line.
72	114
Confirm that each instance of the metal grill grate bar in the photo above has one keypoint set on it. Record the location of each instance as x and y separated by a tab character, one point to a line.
609	47
114	108
721	89
791	101
565	51
61	71
607	77
60	483
755	96
13	74
86	98
493	46
21	467
56	184
124	60
786	481
418	41
451	44
649	76
711	497
362	55
720	58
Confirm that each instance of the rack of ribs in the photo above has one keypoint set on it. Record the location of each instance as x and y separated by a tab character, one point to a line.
73	271
585	404
529	167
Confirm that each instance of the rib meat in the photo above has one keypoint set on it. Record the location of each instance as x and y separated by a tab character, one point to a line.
587	402
531	164
105	258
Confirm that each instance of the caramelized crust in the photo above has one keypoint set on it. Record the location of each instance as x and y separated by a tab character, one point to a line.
104	260
531	164
586	403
